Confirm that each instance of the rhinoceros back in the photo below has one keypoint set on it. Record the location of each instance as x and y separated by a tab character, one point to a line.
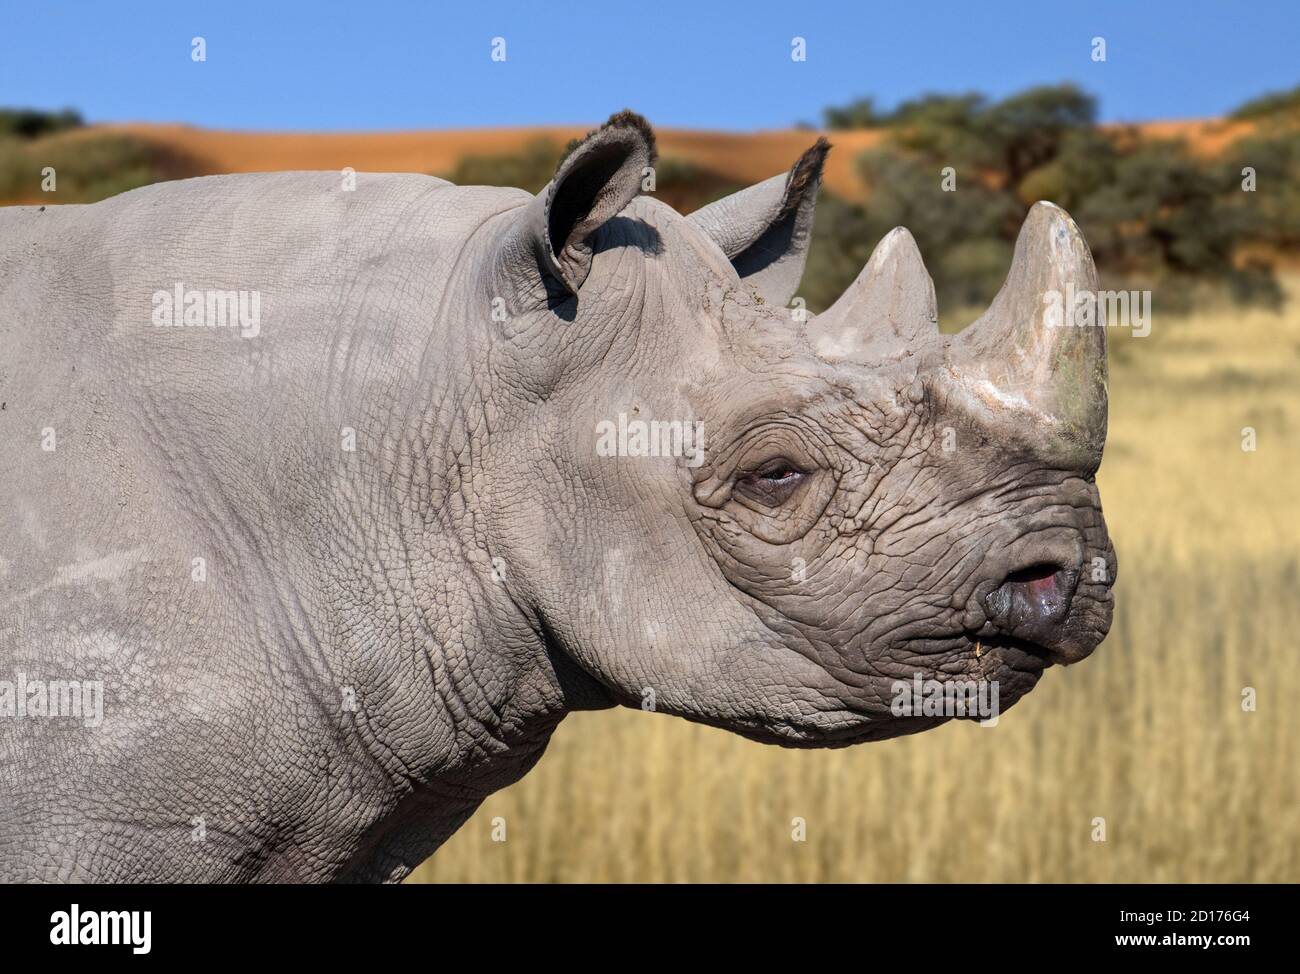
179	335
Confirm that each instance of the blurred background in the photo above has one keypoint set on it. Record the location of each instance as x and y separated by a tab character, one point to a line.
1175	144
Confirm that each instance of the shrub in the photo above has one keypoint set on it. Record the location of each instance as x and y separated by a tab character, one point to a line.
530	169
1152	210
30	123
1273	103
860	114
88	166
1272	212
686	186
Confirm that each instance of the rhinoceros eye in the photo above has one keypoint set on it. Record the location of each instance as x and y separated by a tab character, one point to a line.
771	484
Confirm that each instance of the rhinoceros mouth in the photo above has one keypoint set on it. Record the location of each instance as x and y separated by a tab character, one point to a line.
1013	665
973	653
1024	653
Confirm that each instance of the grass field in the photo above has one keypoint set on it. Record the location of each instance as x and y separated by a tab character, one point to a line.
1148	734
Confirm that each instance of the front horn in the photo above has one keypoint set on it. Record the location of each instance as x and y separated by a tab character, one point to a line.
1037	356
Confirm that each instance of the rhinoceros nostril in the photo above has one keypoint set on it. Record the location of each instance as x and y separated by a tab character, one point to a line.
1048	586
1032	597
1034	573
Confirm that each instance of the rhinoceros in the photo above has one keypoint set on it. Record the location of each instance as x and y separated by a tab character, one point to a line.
327	496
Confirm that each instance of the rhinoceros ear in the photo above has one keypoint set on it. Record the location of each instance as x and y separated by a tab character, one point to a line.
765	229
594	182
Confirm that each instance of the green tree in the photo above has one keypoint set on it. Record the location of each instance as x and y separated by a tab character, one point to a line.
1273	103
1166	216
30	123
963	234
1271	211
1152	211
859	114
1027	130
946	129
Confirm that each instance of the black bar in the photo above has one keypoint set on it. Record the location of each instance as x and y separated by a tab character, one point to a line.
955	925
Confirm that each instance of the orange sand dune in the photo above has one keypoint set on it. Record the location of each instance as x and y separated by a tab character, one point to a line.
1204	136
743	157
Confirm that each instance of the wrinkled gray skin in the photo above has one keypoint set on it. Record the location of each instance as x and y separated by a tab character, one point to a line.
474	570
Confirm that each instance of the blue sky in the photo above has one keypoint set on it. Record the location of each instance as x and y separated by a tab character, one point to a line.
385	64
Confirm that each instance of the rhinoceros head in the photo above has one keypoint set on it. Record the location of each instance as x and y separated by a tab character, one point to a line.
720	507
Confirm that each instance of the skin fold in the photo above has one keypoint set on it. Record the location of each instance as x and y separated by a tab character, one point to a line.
415	557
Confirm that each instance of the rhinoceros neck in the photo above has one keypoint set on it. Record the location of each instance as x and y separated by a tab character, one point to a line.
455	689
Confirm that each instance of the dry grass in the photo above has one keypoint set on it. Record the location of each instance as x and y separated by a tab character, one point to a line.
1149	733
